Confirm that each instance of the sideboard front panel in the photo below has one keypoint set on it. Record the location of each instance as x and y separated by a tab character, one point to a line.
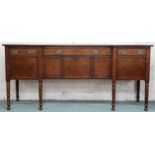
23	67
77	67
131	68
52	67
103	67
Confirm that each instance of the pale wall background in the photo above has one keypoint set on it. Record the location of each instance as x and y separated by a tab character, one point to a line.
70	21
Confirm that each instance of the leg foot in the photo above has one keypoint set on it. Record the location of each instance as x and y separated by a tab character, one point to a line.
8	108
40	108
146	109
113	108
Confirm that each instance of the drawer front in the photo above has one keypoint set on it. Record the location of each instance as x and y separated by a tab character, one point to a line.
131	51
131	68
77	51
23	51
23	67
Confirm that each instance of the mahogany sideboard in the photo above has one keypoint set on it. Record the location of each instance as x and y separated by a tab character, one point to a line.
116	62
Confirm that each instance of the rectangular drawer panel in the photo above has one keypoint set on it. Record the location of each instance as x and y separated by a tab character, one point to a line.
77	51
52	67
23	51
102	67
76	67
131	51
131	68
23	67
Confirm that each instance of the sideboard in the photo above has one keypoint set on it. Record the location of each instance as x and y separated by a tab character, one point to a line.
115	62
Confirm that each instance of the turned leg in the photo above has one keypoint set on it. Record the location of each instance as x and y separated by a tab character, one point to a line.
146	95
17	90
8	94
113	95
138	90
40	94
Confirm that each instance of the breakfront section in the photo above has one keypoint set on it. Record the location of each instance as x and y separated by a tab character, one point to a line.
115	62
132	63
22	62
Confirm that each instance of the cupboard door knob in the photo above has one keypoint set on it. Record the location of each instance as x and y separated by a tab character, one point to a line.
95	52
58	52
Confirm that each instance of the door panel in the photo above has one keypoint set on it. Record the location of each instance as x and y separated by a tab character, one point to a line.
52	67
78	67
23	67
103	67
131	68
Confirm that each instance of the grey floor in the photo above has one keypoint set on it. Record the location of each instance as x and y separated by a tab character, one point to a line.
76	106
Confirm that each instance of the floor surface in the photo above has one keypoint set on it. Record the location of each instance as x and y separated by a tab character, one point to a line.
76	106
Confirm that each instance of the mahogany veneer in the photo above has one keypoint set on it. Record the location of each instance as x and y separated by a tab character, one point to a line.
116	62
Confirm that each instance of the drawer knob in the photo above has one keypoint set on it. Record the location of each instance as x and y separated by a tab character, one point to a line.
58	52
141	52
95	52
123	52
14	51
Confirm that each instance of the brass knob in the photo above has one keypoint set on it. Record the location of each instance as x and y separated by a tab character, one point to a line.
123	52
15	51
141	52
58	51
95	51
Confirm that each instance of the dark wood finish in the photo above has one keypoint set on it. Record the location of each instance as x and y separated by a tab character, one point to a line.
138	90
17	90
147	79
116	62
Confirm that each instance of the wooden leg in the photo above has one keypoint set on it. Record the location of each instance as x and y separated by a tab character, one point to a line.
17	90
113	95
40	94
146	96
138	90
8	94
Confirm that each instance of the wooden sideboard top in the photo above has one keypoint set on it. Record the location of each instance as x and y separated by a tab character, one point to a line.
80	45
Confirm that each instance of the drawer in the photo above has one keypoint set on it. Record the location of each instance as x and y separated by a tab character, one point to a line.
131	51
23	51
77	51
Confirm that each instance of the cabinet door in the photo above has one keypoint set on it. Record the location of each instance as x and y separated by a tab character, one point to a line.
23	67
52	67
102	67
131	68
76	67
